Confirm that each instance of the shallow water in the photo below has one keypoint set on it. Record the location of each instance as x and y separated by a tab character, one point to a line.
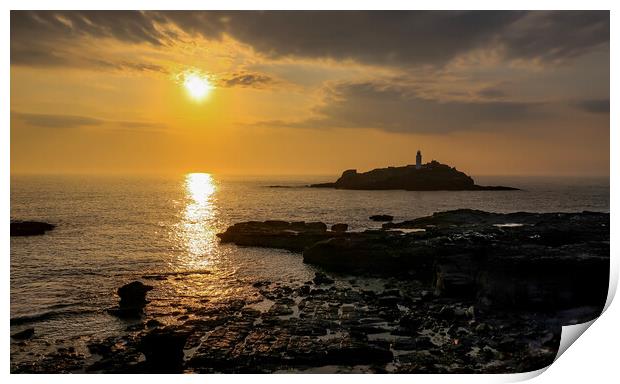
112	230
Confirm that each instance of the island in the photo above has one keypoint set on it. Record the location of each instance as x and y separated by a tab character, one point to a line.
433	176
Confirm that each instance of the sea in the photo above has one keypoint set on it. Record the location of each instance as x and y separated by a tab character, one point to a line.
111	230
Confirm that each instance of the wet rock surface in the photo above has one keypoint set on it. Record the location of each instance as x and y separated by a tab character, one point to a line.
30	228
395	328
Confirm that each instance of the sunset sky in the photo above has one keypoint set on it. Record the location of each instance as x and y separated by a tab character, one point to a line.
492	93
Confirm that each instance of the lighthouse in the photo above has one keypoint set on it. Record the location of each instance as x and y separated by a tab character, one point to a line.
418	160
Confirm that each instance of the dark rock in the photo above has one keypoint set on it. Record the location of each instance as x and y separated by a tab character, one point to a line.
321	278
534	261
293	236
133	294
340	227
132	300
483	328
410	321
304	290
389	301
352	352
381	217
369	329
23	335
30	228
413	343
432	176
152	323
163	349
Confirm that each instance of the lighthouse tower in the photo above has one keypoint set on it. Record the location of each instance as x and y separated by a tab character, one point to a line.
418	160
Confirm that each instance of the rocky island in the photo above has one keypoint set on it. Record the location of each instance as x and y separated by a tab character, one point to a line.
432	176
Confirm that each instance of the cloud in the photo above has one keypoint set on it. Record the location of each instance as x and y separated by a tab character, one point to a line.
391	38
128	26
60	121
56	121
594	106
394	108
405	38
556	35
491	93
245	79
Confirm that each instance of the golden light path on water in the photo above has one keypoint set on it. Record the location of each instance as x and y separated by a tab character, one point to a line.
198	232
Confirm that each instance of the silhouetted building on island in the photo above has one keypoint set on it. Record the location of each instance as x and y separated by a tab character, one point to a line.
418	160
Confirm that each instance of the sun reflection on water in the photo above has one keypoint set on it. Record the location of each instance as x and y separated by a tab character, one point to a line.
198	229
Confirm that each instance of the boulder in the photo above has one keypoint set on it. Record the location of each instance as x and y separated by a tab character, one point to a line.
23	335
132	300
321	278
30	228
133	294
163	349
340	227
381	217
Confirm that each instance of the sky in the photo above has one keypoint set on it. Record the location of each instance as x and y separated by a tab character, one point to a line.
310	92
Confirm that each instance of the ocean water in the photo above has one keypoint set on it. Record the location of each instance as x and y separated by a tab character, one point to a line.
115	229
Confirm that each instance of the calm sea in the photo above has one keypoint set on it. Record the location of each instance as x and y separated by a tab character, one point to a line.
112	230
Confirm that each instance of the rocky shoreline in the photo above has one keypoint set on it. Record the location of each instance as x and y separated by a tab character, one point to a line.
456	292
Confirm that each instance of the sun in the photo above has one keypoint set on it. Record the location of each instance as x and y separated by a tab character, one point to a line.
197	85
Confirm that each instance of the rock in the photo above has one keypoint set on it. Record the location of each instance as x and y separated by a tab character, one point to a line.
293	236
340	227
152	323
433	176
413	343
410	321
381	217
133	294
132	300
354	352
534	261
389	301
163	349
23	335
321	278
304	290
30	228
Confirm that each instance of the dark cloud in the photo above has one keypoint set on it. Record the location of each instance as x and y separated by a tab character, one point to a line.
56	121
595	106
491	93
556	35
380	37
129	26
245	79
393	108
398	38
74	121
127	66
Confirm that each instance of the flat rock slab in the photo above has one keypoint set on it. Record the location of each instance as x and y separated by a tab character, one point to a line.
30	228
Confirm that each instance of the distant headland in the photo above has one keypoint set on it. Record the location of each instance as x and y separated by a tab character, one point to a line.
432	176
